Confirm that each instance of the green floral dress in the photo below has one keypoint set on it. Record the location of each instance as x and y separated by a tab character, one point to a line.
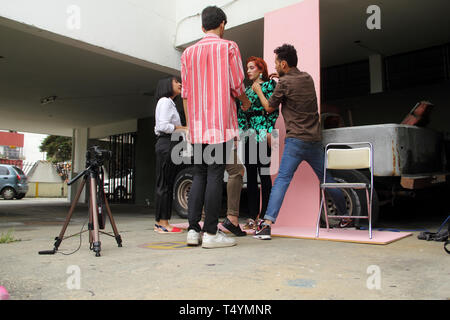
256	121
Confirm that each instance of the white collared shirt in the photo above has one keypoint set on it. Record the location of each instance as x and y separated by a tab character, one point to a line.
166	116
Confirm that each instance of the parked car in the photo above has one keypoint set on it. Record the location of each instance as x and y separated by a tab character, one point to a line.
13	182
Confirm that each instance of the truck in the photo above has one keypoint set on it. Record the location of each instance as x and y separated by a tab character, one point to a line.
407	160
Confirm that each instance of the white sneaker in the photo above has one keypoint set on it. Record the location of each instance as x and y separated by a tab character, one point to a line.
219	240
193	238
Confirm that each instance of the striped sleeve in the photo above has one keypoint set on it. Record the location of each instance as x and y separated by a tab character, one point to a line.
236	71
184	87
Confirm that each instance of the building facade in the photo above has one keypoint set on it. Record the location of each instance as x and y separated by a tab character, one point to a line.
88	69
11	148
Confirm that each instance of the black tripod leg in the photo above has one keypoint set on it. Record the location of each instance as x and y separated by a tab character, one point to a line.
113	224
94	213
59	239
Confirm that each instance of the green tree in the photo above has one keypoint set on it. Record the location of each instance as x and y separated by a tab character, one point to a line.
59	149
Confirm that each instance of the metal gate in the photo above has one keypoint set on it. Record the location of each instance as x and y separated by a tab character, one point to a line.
120	181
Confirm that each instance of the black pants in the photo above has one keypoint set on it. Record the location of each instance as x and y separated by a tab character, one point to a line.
207	186
165	177
255	165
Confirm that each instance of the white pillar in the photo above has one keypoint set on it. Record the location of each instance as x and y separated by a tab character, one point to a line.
79	147
376	73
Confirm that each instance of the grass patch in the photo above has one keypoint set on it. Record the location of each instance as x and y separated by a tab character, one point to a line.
8	237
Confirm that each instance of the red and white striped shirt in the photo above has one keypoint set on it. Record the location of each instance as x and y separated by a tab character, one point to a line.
212	76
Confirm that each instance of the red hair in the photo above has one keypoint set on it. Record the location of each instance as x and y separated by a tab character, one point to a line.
261	65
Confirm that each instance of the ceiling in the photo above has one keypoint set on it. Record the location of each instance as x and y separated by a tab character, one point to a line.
92	89
406	25
96	89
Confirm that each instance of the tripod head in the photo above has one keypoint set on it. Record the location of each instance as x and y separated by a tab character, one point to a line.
95	158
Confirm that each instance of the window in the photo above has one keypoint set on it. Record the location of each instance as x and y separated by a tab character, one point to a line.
4	171
348	80
19	171
426	66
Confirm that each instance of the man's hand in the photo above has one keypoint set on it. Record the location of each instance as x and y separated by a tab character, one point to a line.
183	129
186	115
274	75
245	106
245	102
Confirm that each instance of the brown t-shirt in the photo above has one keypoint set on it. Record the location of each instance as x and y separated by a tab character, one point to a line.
295	91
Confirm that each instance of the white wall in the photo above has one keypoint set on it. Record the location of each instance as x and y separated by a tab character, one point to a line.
45	172
113	129
140	29
188	14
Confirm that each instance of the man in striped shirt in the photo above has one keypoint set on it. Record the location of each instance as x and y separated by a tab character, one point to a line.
213	77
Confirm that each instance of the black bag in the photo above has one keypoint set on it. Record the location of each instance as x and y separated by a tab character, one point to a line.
440	235
447	242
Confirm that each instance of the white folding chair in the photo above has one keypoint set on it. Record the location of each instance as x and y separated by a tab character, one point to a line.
347	159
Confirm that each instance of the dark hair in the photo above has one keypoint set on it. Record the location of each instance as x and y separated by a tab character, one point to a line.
287	53
212	17
164	87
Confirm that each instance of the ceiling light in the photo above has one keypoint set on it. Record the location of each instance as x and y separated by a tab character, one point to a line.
48	100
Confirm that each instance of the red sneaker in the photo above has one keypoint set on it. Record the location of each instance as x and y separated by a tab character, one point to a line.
163	230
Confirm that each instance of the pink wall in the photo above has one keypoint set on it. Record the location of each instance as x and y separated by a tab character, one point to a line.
297	25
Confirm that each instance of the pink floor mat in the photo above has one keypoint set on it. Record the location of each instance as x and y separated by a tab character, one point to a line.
342	235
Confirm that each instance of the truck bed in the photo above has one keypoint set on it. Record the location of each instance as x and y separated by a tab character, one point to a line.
398	149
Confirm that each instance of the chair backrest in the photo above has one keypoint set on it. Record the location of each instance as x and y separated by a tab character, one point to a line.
344	159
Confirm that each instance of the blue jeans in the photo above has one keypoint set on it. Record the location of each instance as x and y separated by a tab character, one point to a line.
295	151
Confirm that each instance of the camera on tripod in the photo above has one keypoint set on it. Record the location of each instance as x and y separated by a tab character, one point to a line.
96	157
93	173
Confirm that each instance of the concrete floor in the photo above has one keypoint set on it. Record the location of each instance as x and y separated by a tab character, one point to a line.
282	268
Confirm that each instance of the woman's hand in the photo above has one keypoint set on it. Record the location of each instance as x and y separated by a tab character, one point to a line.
256	87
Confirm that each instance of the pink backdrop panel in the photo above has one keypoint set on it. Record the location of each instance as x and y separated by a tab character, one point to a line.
297	25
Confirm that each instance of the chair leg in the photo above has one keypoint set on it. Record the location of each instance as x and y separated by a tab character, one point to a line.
318	218
369	213
325	209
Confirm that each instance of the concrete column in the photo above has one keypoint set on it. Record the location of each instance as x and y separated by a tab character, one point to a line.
376	73
79	147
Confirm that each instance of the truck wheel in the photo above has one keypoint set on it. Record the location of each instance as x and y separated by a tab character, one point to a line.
356	199
181	189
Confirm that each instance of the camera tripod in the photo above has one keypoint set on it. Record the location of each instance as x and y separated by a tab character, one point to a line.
96	217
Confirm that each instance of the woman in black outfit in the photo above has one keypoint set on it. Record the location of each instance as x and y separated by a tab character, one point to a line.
167	120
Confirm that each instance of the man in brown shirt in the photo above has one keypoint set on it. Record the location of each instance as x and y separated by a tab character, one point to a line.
295	91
